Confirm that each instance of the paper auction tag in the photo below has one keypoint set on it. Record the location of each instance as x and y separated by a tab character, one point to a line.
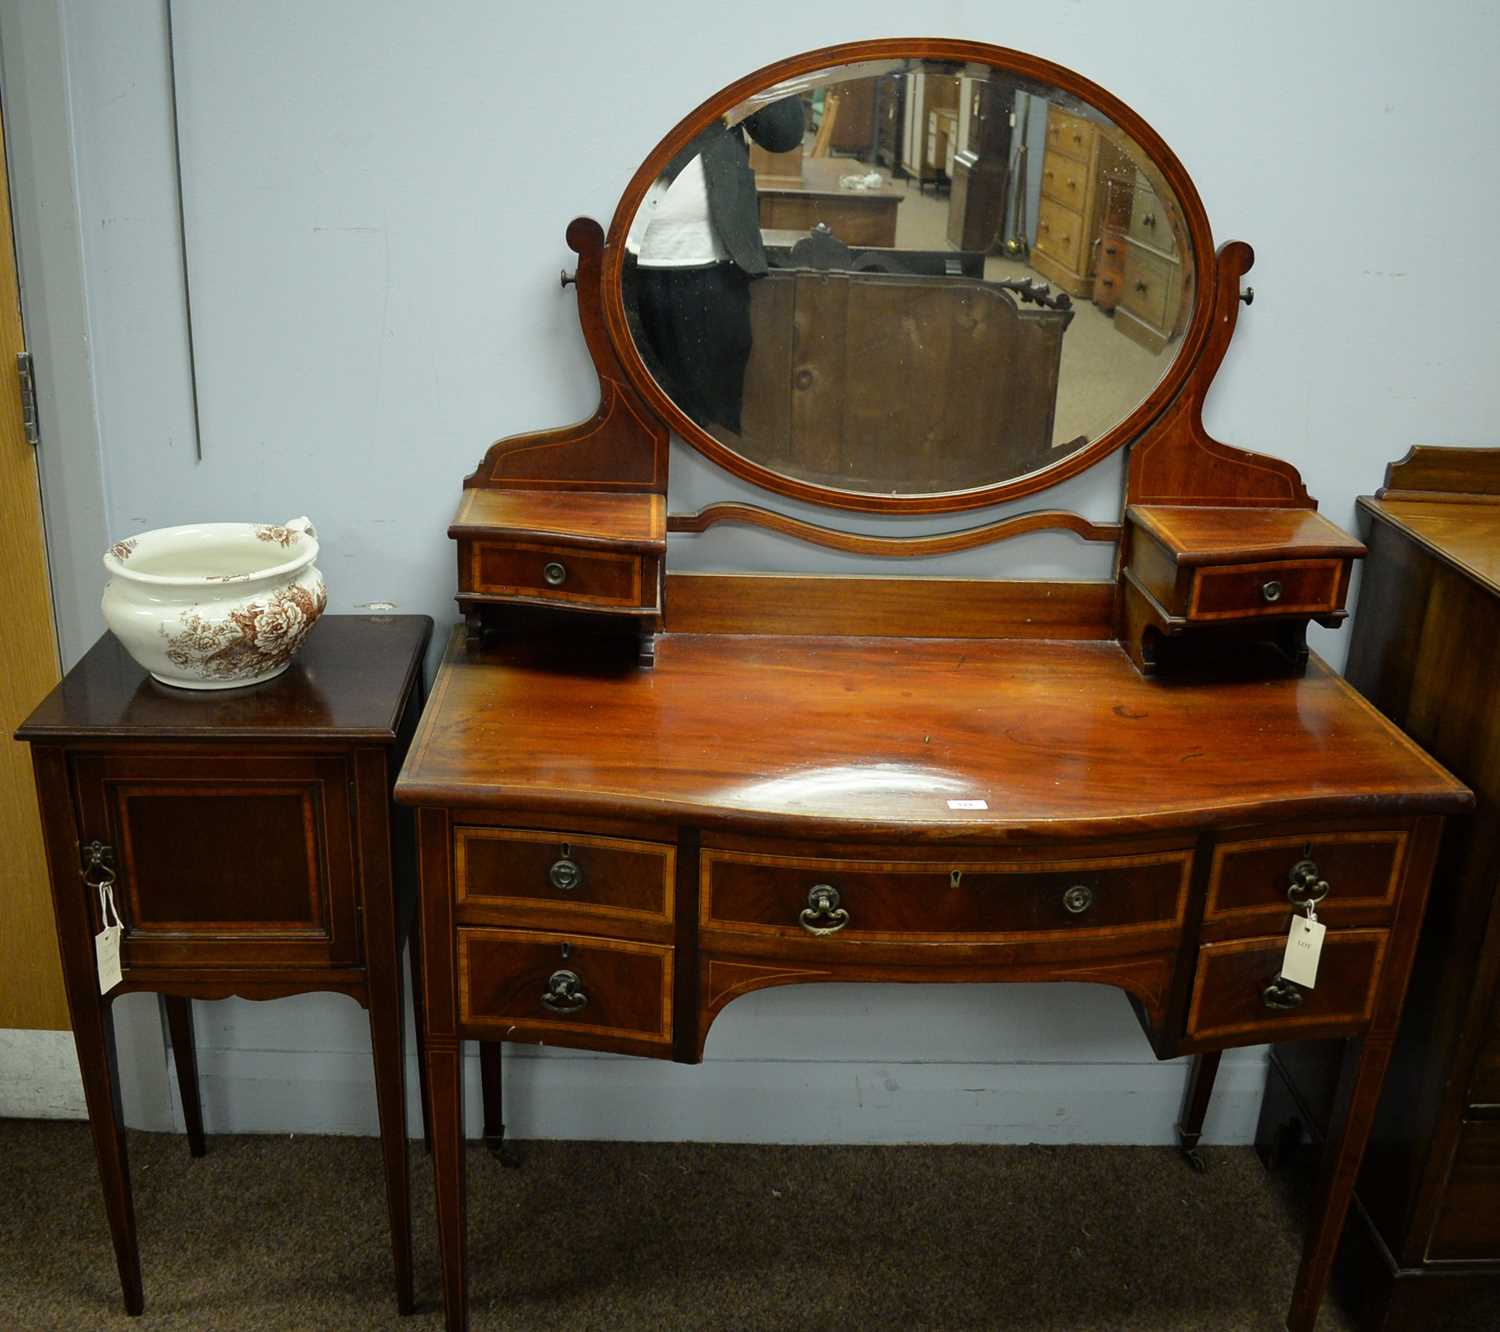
1304	944
107	941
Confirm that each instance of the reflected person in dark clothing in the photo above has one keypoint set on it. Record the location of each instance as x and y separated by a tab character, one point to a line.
697	248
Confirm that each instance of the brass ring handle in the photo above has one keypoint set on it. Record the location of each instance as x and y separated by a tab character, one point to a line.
555	573
1078	899
565	875
1271	590
1308	887
1281	994
565	992
823	914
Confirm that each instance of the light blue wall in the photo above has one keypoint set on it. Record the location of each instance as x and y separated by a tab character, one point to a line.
376	197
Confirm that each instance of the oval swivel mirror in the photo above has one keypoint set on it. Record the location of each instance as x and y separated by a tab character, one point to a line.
908	275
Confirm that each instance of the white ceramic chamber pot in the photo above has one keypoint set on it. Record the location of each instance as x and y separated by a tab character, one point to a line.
215	605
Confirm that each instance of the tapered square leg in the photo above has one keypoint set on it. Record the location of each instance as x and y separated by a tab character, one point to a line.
445	1076
1200	1090
185	1056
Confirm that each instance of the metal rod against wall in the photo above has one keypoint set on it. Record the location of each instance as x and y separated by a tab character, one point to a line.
187	284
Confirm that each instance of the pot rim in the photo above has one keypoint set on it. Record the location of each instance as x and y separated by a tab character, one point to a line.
121	569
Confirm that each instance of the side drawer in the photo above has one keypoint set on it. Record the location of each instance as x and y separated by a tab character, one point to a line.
519	982
561	574
1248	880
1276	587
968	901
1468	1222
1065	179
1229	1001
1484	1089
581	876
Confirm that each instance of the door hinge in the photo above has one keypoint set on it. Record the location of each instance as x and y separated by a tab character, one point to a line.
28	397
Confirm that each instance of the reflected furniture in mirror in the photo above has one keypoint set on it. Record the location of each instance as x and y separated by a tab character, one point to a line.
643	793
1424	1236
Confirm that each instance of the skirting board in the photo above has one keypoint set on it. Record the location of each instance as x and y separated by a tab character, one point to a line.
561	1094
39	1076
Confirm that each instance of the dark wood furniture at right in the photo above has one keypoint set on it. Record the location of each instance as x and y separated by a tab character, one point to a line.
1424	1233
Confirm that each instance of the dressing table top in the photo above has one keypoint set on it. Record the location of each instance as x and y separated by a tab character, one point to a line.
864	735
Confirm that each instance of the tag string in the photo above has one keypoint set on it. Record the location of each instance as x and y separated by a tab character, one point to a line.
107	907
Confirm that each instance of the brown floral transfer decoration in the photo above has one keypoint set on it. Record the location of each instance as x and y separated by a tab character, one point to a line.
250	642
282	536
123	550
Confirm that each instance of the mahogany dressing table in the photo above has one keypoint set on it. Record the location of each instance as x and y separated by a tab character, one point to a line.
641	794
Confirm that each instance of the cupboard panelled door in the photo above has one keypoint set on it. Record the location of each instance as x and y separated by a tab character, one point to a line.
224	860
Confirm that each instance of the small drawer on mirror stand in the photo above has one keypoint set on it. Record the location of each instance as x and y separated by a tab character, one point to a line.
1224	578
596	554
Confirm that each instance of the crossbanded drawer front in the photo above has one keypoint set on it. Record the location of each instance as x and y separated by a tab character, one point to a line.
971	902
557	573
1249	880
1230	999
607	877
606	987
1276	587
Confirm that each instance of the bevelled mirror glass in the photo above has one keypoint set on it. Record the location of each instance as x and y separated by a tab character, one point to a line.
906	277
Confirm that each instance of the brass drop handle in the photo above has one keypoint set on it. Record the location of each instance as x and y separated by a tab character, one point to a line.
1282	994
565	992
1308	886
566	874
555	573
823	914
97	856
1271	590
1078	899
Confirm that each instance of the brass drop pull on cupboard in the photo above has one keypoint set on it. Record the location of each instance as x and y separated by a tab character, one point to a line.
98	857
1282	994
1308	885
1078	899
823	914
565	992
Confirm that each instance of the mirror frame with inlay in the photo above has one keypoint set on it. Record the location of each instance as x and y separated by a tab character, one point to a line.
1217	548
1025	68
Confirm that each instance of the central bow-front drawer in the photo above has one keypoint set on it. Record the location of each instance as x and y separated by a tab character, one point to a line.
958	901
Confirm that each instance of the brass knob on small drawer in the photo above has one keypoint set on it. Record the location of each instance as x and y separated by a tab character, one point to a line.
1271	590
823	914
565	992
1078	899
555	573
1308	886
1282	994
565	875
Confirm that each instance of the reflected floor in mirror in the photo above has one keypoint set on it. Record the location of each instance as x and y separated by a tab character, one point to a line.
277	1232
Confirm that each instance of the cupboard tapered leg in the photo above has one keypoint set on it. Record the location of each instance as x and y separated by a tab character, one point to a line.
1200	1090
419	1018
387	1032
185	1056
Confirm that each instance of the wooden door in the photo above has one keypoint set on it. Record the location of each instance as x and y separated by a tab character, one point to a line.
31	992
